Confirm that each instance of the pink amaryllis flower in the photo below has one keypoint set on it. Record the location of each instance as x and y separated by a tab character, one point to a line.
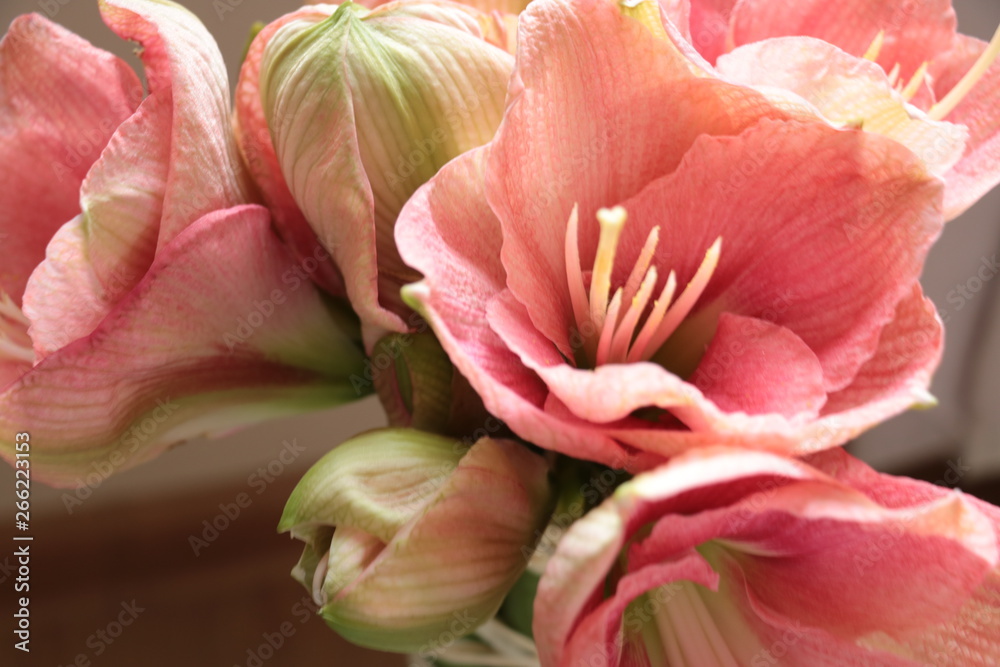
896	67
647	259
145	298
728	557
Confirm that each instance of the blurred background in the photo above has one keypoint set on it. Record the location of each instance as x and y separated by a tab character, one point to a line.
141	547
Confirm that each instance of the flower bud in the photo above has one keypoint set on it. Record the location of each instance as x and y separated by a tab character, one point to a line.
365	106
411	537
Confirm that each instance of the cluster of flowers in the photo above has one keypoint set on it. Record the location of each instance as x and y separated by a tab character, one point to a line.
625	274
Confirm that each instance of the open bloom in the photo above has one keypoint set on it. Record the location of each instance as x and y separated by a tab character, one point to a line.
726	557
612	282
362	107
412	538
895	67
145	298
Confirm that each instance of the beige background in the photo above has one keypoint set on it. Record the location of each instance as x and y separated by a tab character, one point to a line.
130	538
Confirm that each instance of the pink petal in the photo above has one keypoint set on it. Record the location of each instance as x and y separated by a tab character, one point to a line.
710	27
758	367
778	235
585	125
167	165
574	580
974	633
803	543
220	333
184	68
915	32
979	169
899	373
597	638
848	91
103	253
60	101
254	139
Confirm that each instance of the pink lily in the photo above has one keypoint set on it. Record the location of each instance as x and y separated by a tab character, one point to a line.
166	308
935	90
731	294
727	557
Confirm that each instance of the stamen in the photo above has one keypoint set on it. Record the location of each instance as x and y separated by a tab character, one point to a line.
875	47
607	333
612	220
611	326
948	103
642	264
914	85
894	75
623	336
574	273
686	301
654	319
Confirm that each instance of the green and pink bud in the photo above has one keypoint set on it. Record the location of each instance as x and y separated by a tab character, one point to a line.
364	106
406	531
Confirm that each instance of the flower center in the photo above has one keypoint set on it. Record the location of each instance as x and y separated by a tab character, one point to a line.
611	326
15	344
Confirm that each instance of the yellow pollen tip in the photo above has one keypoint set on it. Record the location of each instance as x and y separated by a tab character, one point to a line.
948	103
875	47
612	216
